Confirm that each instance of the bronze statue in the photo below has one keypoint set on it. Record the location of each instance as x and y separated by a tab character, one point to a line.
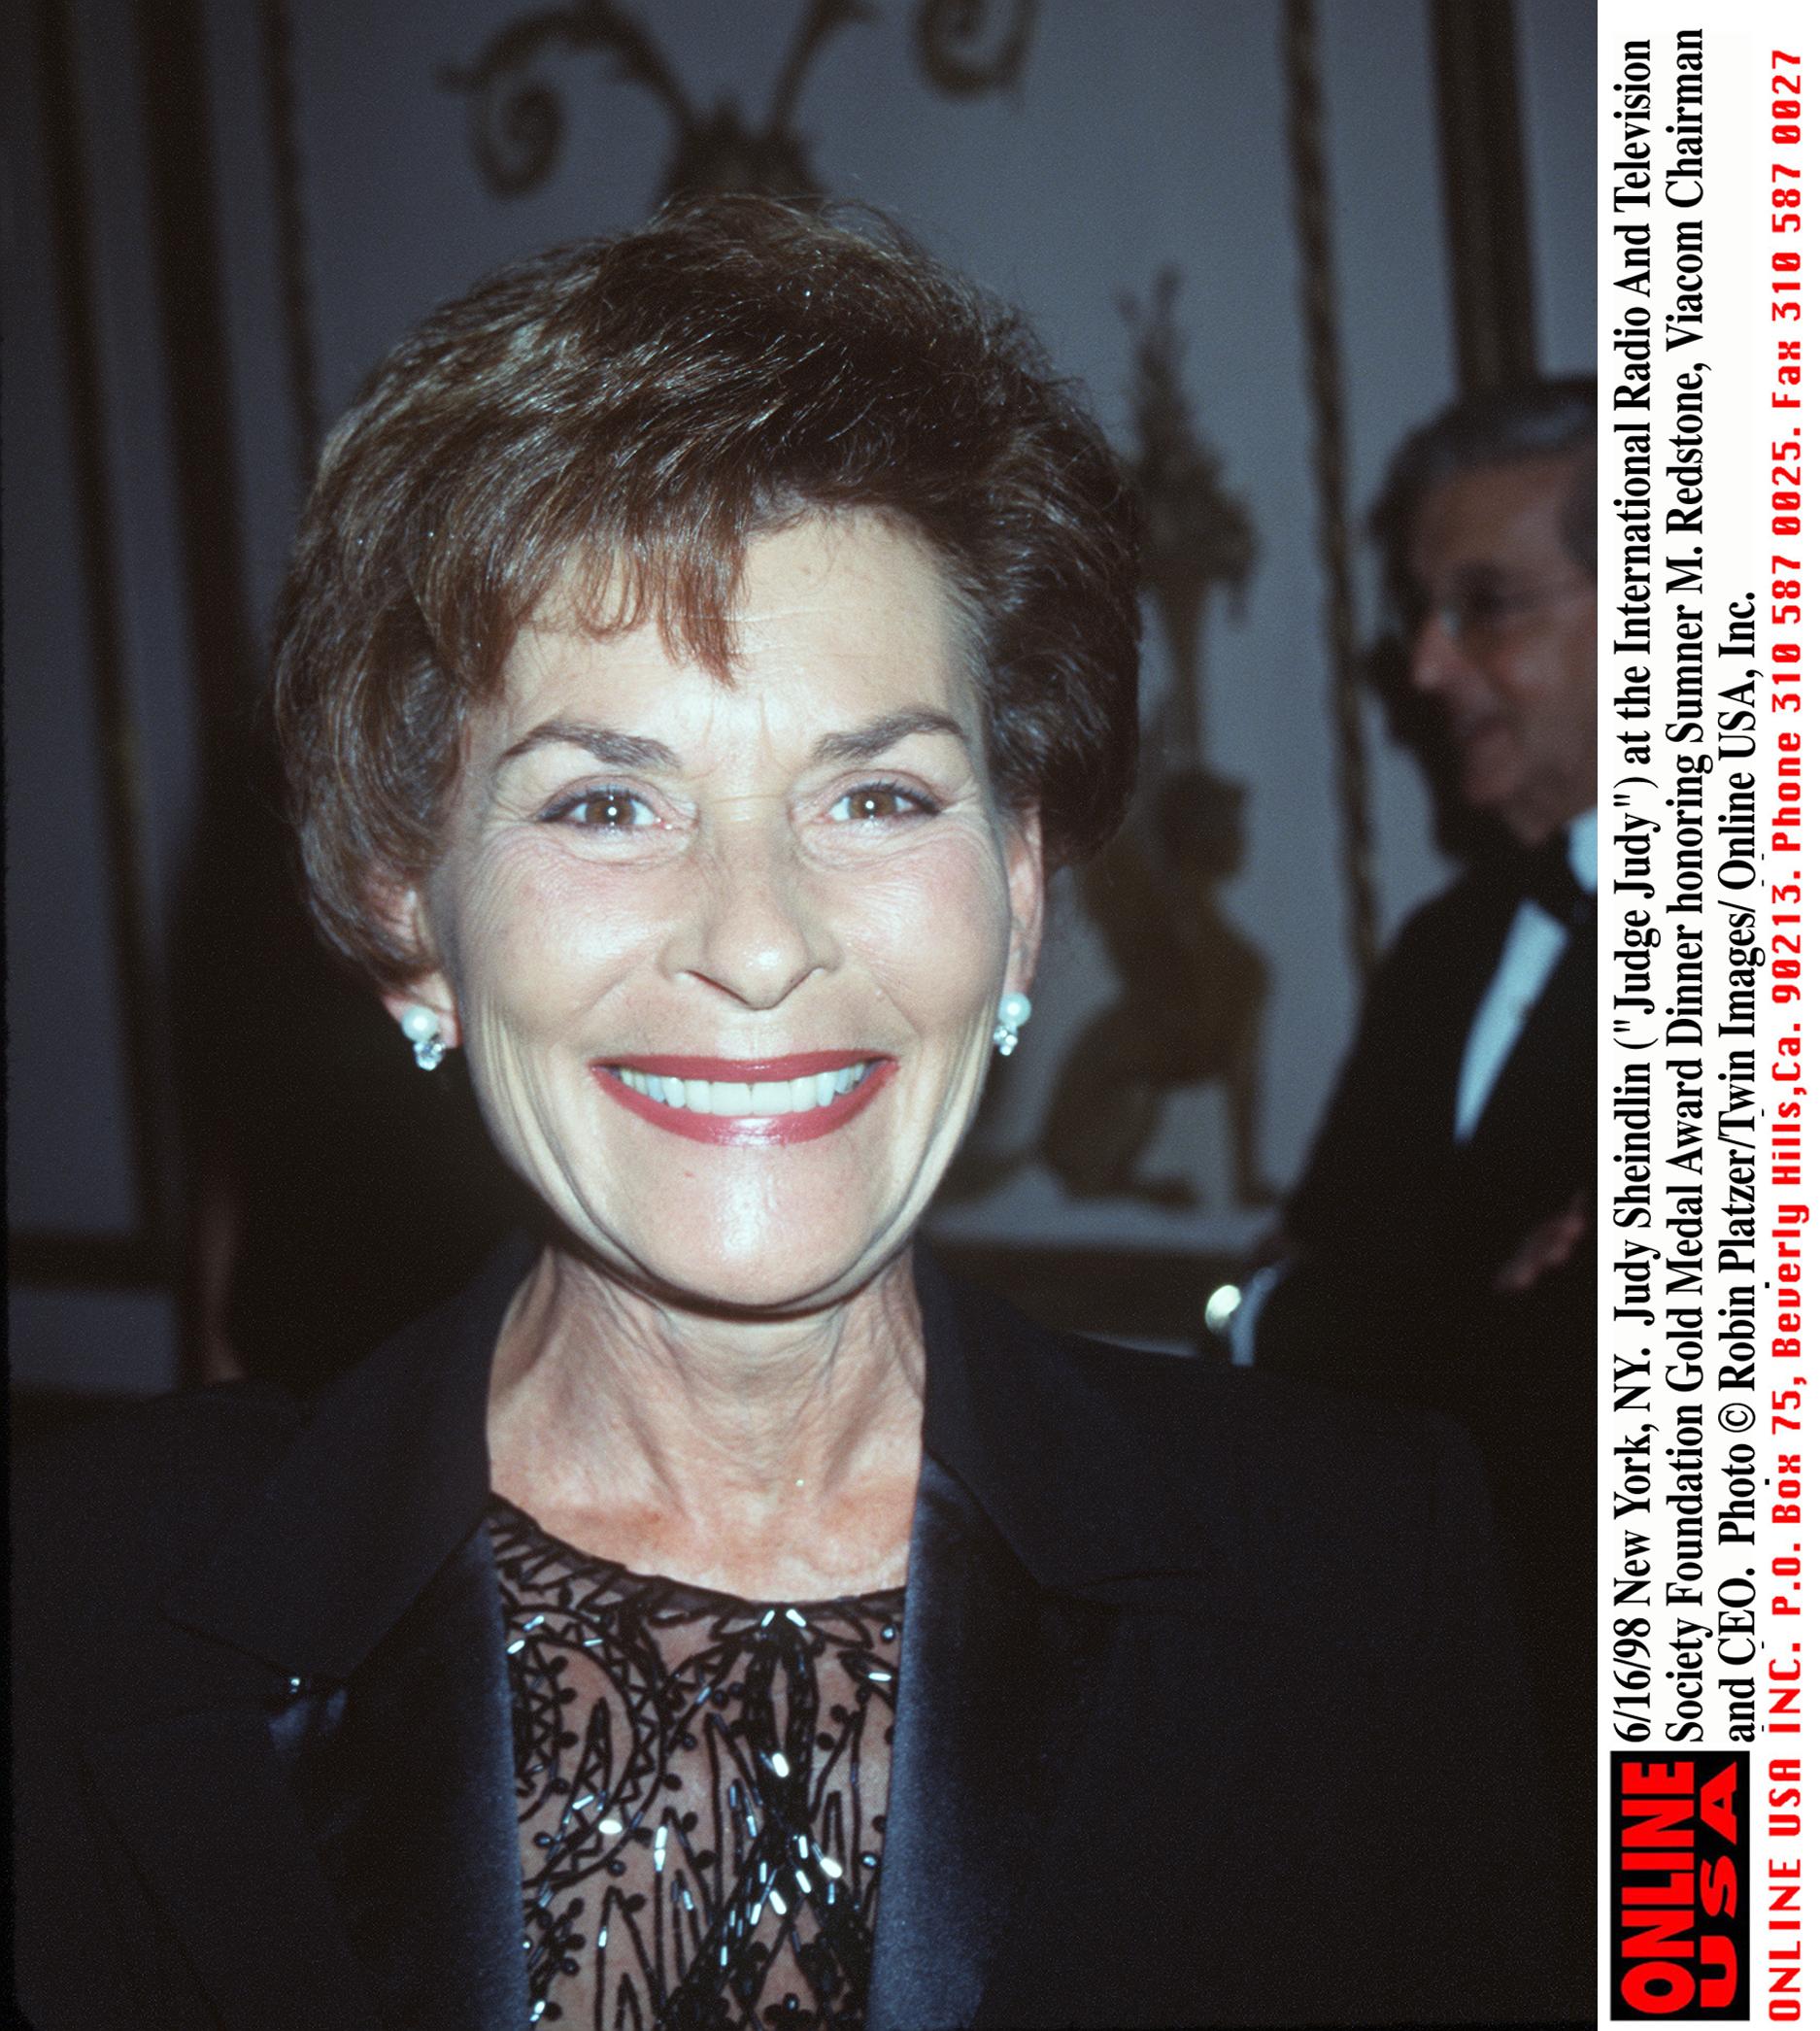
1191	987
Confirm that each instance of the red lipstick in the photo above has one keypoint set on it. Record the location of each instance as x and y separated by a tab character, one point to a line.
747	1131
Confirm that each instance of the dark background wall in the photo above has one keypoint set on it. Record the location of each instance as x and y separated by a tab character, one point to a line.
218	212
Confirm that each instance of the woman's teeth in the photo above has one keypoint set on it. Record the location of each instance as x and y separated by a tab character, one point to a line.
736	1096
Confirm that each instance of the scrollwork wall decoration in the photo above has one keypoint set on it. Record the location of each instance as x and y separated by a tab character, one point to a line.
957	54
517	123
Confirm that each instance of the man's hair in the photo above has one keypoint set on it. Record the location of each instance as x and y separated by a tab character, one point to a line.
612	422
1502	427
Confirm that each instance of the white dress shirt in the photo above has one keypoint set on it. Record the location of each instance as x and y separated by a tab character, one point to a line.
1533	948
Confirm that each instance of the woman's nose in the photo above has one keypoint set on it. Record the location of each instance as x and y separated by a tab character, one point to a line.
755	930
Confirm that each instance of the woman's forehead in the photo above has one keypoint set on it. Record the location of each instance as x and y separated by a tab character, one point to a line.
833	621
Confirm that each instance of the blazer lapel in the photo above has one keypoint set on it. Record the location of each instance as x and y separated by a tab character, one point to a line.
989	1698
406	1780
1016	1617
327	1811
347	1855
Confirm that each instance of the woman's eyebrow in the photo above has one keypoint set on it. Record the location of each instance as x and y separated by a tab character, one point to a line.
612	748
861	743
615	750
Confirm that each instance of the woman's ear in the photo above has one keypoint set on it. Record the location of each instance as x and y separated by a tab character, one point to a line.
1023	878
406	914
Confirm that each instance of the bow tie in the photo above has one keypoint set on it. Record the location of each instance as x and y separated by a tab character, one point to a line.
1545	876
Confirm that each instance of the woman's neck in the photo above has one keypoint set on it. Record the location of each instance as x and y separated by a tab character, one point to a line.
773	1459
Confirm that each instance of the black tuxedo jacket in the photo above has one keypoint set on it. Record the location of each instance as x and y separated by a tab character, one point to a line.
1393	1218
1399	1231
1206	1711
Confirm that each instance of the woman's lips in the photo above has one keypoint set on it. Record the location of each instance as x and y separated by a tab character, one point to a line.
750	1103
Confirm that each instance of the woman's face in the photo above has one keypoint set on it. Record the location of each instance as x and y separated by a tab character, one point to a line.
725	958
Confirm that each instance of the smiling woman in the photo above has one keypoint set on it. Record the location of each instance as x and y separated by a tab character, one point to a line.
675	908
699	648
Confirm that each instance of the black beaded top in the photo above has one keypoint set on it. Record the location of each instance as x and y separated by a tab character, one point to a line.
701	1787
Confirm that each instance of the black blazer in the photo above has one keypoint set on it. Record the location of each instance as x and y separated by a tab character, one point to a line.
1206	1713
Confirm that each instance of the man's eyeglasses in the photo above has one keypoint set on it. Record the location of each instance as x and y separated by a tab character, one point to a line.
1480	616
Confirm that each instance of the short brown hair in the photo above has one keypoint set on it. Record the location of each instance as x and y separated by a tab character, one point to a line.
635	410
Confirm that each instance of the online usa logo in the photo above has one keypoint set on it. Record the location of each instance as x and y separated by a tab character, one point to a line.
1679	1832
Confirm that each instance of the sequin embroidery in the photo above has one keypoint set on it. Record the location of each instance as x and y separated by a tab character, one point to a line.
701	1787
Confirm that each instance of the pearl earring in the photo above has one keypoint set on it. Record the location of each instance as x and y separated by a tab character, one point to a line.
423	1028
1013	1011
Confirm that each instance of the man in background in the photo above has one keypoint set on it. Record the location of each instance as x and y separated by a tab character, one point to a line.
1437	1248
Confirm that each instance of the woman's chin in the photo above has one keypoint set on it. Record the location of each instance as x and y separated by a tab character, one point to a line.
790	1276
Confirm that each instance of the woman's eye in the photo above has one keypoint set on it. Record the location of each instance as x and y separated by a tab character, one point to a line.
876	801
605	811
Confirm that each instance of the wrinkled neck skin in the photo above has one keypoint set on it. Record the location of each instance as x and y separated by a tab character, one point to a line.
774	1459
